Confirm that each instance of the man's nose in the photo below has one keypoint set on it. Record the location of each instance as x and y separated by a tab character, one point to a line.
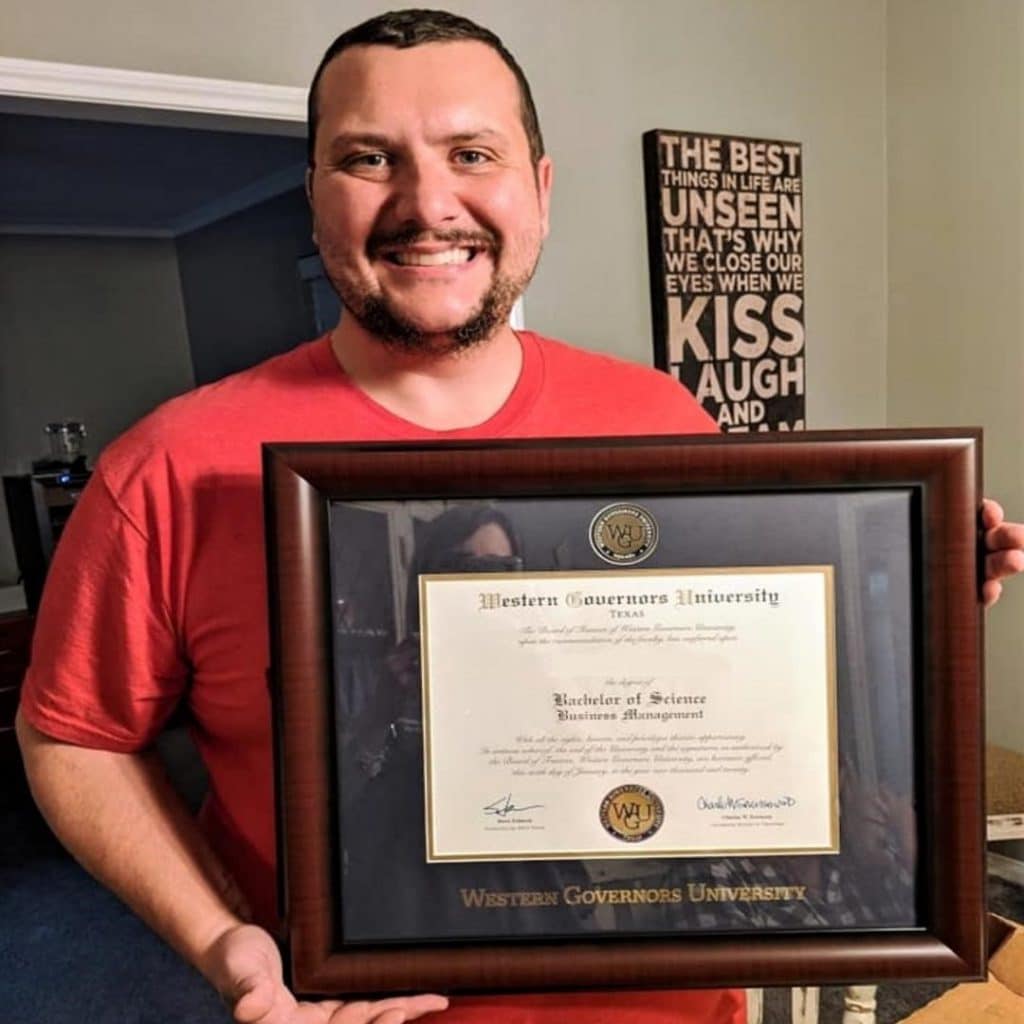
425	194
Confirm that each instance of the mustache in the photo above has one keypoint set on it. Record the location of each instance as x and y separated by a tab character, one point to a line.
410	236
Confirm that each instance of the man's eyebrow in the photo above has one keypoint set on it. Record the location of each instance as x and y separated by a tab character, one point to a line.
478	135
462	136
370	139
374	140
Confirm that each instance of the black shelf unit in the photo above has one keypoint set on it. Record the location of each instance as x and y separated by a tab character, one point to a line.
38	507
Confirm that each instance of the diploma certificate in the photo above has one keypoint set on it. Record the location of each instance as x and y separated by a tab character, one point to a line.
624	714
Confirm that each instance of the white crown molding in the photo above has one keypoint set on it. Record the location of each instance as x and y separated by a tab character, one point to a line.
78	83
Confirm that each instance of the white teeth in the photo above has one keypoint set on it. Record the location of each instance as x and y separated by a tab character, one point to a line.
432	259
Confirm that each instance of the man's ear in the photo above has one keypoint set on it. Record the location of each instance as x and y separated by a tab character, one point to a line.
545	176
309	199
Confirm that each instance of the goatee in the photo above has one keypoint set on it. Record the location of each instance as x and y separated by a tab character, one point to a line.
375	314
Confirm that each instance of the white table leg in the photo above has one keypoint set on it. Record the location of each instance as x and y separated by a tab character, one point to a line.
755	1005
805	1003
859	1004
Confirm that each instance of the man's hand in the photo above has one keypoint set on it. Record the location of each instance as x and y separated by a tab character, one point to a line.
245	967
1003	544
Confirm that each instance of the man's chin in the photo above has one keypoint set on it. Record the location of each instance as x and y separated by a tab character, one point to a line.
438	335
439	328
462	338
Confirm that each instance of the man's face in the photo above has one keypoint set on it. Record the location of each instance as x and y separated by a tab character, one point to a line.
427	209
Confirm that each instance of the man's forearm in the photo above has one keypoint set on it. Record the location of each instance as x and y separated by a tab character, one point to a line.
121	819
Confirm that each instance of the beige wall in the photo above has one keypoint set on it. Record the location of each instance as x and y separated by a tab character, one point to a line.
603	72
956	235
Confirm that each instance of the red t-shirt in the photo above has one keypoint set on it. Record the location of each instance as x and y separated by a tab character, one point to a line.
158	591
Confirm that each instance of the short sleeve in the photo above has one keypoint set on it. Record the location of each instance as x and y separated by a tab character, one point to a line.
106	668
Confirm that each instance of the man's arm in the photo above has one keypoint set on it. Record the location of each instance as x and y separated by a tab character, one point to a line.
120	817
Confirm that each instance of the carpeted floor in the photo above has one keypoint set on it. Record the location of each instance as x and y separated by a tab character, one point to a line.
71	952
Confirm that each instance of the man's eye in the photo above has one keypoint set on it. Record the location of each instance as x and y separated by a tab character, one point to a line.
471	157
368	160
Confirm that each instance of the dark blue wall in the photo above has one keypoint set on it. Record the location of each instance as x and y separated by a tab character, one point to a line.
244	297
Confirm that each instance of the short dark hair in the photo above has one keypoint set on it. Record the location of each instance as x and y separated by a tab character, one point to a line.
414	27
443	538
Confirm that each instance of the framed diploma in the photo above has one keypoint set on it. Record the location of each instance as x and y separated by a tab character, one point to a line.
646	712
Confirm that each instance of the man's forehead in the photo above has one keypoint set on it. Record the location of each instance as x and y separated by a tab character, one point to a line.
368	78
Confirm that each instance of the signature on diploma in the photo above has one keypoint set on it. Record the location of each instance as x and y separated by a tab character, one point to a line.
503	805
744	803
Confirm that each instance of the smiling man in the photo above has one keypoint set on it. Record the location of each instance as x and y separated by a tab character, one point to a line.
429	189
430	204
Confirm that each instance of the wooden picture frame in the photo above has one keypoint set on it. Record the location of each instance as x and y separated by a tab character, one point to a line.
935	475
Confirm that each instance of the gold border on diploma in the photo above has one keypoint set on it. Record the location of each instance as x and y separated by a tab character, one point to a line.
636	851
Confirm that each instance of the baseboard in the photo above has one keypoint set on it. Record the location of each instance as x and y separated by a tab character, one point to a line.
1009	869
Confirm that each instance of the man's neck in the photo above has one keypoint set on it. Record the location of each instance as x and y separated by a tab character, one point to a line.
436	391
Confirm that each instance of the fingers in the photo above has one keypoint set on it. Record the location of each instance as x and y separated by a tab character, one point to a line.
1004	541
281	1008
420	1006
990	591
991	513
388	1011
1001	564
284	1009
1005	536
313	1013
391	1017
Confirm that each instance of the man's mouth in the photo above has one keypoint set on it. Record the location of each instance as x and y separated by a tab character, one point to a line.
439	258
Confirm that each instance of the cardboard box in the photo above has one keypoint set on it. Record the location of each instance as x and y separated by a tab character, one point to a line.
999	999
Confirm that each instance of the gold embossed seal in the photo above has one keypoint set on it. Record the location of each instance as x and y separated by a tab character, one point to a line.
623	534
632	813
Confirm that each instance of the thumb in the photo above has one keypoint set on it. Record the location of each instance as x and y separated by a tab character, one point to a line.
249	975
258	1000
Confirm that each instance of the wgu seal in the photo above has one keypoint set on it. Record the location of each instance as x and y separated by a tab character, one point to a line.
623	534
632	813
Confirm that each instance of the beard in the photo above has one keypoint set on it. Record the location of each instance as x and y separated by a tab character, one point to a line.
376	314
